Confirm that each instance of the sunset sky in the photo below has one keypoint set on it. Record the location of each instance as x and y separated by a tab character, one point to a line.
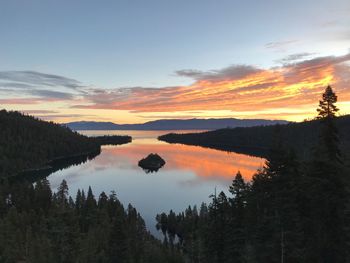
136	61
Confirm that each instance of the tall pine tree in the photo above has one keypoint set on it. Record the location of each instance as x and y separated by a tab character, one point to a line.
327	112
327	194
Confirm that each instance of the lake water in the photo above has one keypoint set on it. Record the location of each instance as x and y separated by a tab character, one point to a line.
190	175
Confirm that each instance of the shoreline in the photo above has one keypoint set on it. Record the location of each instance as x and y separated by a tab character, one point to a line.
59	162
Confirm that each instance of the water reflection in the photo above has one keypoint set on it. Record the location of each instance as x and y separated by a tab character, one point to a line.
33	175
190	175
206	164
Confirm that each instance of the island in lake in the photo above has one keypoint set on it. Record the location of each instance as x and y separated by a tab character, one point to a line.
152	163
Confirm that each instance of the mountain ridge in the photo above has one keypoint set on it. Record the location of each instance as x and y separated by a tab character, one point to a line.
174	124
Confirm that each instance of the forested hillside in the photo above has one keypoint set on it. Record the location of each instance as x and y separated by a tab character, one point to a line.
301	137
29	143
38	226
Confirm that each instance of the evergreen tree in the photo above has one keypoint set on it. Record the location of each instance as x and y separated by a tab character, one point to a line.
327	107
327	112
328	191
236	234
90	200
62	194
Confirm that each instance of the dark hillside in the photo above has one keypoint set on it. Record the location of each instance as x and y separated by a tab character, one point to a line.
29	143
258	140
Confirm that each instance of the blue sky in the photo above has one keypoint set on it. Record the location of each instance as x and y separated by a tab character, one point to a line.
118	44
131	43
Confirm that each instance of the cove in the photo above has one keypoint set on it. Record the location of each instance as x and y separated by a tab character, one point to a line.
190	175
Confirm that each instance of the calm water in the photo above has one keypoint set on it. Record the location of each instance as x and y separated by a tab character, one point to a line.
189	176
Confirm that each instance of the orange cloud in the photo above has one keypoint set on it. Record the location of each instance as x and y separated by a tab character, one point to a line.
236	88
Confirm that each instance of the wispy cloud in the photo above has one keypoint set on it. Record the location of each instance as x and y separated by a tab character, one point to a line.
233	71
20	78
15	85
31	112
294	57
35	85
20	101
53	117
280	46
51	94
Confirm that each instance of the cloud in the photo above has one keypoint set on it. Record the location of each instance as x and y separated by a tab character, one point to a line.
38	78
32	112
51	94
330	23
280	46
53	115
233	71
294	57
20	101
62	116
16	85
237	88
35	85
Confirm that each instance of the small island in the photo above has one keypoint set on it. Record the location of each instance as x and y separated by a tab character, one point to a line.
152	163
112	139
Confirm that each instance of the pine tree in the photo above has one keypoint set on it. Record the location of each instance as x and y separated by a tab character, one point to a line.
327	107
43	195
62	193
102	200
238	189
90	200
327	195
78	204
235	240
329	139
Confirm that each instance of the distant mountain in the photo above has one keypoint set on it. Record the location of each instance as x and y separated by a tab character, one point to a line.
190	124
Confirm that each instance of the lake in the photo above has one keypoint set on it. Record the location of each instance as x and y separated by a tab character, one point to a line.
190	175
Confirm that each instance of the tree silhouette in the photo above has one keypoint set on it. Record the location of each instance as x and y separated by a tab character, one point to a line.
329	138
327	107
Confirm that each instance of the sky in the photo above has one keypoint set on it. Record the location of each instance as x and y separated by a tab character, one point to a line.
132	61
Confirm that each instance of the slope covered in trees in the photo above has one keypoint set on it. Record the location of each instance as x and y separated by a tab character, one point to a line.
301	137
38	226
291	211
29	143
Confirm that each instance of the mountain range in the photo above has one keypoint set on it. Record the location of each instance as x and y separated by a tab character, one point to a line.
174	124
